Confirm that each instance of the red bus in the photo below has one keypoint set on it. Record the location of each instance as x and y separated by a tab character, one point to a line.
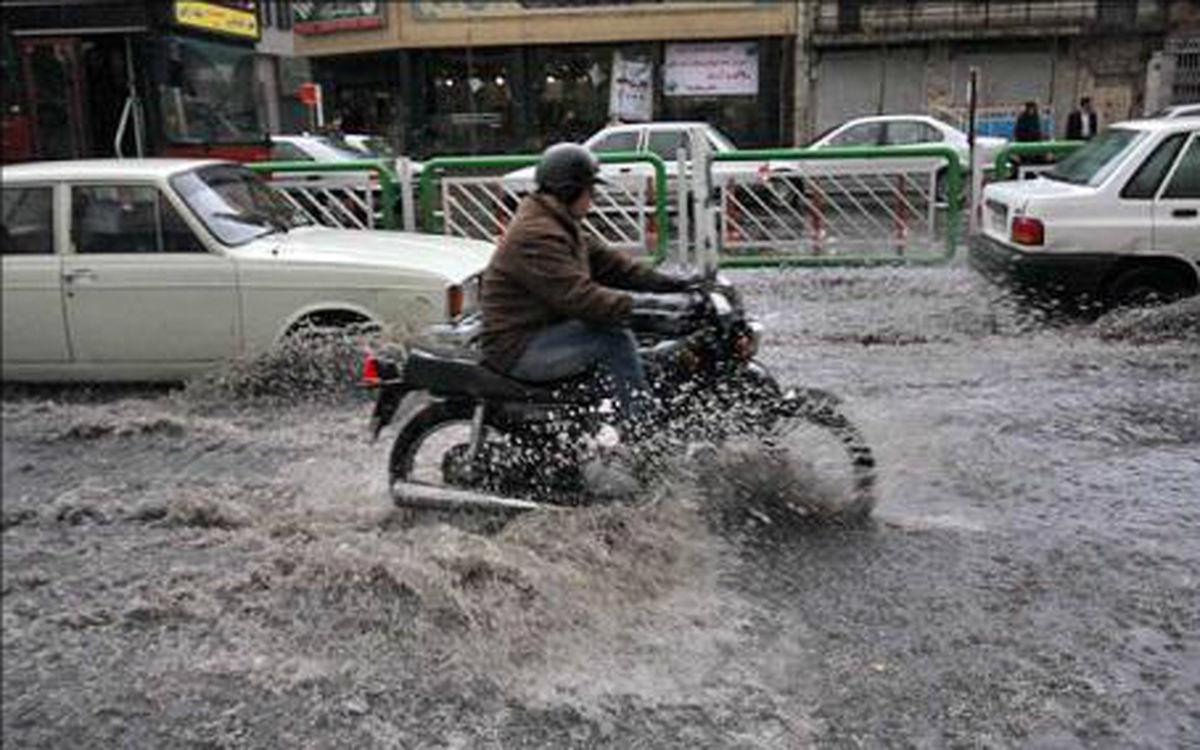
141	84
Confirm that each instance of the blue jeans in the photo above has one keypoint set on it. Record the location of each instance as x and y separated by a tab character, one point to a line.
574	347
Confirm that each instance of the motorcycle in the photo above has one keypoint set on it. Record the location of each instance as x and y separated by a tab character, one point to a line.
478	439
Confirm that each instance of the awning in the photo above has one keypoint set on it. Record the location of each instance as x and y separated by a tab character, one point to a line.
24	18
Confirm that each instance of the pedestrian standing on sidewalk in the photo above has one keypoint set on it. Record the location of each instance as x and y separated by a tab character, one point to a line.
1082	122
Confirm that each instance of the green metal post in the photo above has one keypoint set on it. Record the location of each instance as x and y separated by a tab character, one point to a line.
430	168
1029	148
660	194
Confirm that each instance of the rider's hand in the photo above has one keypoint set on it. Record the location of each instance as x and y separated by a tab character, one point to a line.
691	282
653	302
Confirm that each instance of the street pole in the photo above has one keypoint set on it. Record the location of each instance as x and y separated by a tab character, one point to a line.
976	169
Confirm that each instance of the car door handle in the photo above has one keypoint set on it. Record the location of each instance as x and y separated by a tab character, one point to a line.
1184	213
79	273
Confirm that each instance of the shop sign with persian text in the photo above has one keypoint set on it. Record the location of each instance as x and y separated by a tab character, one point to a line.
325	16
727	69
631	96
232	17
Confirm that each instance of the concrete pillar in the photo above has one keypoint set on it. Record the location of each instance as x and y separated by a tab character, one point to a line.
804	102
1067	84
268	79
939	78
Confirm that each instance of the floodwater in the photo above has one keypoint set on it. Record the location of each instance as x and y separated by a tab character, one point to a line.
218	567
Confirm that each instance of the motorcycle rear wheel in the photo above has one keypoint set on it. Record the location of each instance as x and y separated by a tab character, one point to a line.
432	450
408	463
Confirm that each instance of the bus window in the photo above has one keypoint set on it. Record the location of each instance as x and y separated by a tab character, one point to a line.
209	93
16	124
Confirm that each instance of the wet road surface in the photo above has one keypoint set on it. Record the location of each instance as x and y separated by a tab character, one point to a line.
211	568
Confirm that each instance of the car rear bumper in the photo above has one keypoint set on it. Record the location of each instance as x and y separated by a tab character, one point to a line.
1076	278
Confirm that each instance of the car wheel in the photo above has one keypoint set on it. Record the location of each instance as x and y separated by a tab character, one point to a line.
329	328
1139	287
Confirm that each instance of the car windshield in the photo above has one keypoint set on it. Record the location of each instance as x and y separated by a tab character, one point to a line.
1093	163
235	204
720	140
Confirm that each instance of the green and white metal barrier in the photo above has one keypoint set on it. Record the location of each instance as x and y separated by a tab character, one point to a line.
346	195
629	211
846	206
838	206
1008	156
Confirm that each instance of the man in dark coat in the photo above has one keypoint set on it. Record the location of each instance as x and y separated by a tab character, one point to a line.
1029	129
1082	122
557	302
1029	124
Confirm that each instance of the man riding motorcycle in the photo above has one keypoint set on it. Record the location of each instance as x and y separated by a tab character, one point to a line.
557	302
488	435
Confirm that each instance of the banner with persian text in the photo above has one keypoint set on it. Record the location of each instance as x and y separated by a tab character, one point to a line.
702	69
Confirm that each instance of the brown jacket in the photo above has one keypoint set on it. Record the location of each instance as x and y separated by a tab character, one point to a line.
547	271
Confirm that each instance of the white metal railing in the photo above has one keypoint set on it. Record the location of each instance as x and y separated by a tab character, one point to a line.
782	206
833	208
340	201
481	207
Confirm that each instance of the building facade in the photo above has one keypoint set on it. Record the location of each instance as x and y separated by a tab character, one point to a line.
881	56
510	76
488	76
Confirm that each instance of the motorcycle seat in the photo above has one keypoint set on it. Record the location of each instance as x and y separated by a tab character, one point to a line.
455	372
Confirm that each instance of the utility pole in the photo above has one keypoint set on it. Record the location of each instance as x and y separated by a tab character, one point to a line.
803	79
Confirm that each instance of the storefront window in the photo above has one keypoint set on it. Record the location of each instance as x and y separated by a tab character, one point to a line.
209	93
471	102
573	88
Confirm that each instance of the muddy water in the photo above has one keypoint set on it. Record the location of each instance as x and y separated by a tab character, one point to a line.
217	567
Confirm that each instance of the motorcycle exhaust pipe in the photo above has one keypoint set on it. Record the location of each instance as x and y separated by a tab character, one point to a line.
417	495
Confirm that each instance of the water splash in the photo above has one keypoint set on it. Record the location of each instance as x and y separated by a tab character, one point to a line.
1178	322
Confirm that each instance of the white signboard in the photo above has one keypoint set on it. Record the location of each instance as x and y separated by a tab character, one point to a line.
631	96
711	69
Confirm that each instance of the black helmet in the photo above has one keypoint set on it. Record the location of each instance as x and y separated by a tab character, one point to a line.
565	170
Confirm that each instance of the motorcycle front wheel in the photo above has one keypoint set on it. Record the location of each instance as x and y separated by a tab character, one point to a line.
812	430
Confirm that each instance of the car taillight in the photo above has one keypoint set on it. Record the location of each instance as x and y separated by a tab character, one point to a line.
1028	231
454	301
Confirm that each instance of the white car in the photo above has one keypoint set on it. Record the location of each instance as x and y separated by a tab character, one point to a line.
1115	223
371	146
156	269
318	148
663	139
909	130
1191	109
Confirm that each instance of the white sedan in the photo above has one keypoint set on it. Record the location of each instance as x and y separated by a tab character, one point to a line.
909	130
663	139
157	269
317	148
1115	223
